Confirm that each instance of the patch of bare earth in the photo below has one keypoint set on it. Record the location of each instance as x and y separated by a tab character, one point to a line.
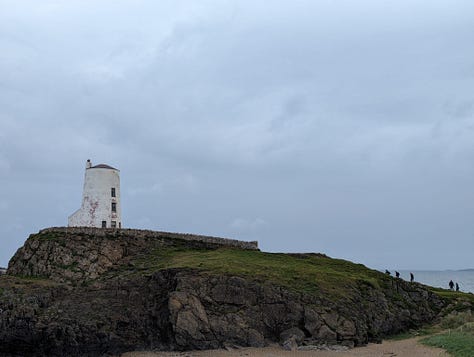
404	348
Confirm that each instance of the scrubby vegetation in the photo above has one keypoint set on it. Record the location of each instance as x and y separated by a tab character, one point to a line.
458	335
459	343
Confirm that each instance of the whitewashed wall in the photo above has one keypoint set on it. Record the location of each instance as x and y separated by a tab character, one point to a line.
97	199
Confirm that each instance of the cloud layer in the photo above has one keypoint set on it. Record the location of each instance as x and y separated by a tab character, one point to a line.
331	126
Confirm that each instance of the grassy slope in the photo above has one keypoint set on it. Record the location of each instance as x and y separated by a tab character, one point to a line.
453	295
309	273
299	272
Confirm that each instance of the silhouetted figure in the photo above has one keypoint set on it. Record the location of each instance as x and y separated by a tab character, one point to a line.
457	287
387	272
412	277
397	274
451	285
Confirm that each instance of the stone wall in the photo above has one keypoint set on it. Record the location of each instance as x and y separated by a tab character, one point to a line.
142	233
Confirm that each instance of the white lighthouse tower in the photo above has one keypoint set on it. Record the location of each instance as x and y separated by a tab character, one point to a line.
100	199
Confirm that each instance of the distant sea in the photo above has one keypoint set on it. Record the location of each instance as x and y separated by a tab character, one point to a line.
440	279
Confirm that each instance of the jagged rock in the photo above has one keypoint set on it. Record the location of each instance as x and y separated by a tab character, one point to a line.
312	321
189	320
293	333
326	334
290	344
98	299
255	338
69	255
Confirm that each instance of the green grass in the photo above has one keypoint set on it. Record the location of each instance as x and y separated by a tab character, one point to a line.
458	303
310	273
458	343
57	236
457	337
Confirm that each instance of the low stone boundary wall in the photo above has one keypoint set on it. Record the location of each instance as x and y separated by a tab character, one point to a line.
102	232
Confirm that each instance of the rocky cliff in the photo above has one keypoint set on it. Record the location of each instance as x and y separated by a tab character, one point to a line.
97	292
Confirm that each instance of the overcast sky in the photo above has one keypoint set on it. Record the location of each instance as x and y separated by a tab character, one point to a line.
336	126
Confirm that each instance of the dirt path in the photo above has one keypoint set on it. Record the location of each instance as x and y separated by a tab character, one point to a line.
404	348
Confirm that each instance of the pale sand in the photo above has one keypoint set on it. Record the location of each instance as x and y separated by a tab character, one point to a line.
404	348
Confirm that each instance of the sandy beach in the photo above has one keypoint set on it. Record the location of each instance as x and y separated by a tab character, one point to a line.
404	348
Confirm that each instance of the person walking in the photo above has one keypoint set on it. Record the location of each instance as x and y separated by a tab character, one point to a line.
412	277
451	285
457	287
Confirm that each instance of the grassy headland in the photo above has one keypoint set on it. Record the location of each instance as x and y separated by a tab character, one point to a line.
182	293
309	273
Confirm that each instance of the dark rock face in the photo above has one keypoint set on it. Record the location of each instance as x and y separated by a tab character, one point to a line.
182	309
222	310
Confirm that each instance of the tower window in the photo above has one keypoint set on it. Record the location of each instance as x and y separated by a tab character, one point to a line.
113	192
113	224
114	207
104	224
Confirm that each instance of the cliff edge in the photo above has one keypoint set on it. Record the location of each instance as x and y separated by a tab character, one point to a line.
104	291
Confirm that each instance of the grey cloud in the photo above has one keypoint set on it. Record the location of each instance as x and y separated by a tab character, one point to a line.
460	109
346	127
